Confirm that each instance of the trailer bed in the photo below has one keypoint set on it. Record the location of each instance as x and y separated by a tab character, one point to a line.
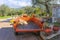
30	26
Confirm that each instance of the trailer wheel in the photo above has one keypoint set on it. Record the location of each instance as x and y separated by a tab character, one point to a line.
38	33
16	33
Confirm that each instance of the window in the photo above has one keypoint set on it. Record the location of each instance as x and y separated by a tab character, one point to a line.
58	12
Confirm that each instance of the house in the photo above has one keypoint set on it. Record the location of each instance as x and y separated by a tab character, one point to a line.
55	10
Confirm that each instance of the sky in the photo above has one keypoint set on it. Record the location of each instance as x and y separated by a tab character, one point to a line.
16	3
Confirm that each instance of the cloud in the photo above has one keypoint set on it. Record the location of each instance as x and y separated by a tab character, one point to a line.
1	2
23	3
18	3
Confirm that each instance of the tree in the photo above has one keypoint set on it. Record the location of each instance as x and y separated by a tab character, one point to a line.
28	10
4	10
43	2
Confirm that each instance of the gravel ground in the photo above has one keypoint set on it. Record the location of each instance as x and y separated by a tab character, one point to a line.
55	38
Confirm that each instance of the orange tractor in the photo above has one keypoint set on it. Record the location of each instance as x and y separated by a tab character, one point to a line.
26	23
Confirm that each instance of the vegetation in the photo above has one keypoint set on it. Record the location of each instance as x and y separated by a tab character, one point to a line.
7	11
42	2
3	17
57	24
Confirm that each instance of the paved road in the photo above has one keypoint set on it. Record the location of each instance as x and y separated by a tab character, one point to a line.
7	33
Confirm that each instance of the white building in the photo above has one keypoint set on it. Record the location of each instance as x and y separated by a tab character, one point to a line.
55	10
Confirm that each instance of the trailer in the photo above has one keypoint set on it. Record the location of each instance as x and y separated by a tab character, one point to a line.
27	24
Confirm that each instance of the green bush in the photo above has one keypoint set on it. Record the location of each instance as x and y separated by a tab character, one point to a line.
56	24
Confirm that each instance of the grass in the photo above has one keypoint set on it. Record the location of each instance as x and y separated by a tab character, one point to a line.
3	17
